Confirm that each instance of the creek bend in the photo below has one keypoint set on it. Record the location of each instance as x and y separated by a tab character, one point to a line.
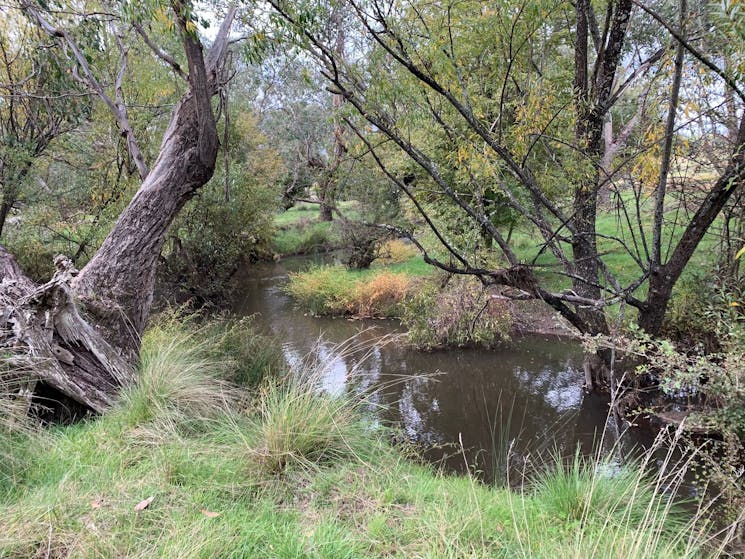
464	406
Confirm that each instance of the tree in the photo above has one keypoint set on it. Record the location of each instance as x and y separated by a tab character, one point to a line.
86	357
548	115
40	102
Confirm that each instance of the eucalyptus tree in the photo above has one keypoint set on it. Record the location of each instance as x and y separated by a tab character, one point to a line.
549	104
88	356
39	102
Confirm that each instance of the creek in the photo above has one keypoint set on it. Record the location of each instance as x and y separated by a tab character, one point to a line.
465	408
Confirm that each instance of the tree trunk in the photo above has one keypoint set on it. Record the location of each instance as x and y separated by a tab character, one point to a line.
117	284
327	193
90	364
663	278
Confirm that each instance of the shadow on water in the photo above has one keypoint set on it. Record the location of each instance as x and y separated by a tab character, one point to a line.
525	397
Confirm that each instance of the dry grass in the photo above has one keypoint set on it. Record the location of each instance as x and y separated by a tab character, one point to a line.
396	251
380	295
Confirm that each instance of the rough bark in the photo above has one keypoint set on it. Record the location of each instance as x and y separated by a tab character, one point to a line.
117	284
67	353
89	356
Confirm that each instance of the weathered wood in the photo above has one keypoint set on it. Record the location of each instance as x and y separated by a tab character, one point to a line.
88	356
66	352
117	284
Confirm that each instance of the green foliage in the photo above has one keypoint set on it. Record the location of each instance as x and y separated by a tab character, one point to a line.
455	311
303	237
706	313
226	225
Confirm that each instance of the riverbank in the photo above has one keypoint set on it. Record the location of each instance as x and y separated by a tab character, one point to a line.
436	309
191	464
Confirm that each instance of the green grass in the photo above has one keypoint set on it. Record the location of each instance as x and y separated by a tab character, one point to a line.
299	231
285	471
526	242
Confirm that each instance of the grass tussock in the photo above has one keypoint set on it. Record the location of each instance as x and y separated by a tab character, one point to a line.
180	377
298	425
343	492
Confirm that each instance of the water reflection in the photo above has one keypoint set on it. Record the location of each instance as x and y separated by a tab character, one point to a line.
527	395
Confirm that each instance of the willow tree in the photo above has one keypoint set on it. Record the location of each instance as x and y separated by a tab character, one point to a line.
82	329
550	104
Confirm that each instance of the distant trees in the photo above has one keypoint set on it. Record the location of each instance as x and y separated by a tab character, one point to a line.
549	109
39	102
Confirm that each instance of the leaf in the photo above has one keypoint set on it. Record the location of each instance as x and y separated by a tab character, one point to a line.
740	253
142	505
209	513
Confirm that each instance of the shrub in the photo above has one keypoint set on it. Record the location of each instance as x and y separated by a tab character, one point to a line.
455	311
396	251
363	243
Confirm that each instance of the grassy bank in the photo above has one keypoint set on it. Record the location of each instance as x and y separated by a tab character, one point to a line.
300	231
190	464
377	292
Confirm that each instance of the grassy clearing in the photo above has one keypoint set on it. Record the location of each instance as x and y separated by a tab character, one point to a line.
285	471
299	231
611	228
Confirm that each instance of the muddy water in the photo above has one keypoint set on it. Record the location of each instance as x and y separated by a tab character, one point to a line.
466	407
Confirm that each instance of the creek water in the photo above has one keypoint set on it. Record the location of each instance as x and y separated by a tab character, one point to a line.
465	408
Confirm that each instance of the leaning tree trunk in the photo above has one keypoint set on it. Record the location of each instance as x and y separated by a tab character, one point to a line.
88	356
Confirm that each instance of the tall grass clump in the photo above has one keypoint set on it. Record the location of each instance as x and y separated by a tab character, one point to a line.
250	356
180	379
302	421
298	425
323	290
333	290
629	510
381	295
